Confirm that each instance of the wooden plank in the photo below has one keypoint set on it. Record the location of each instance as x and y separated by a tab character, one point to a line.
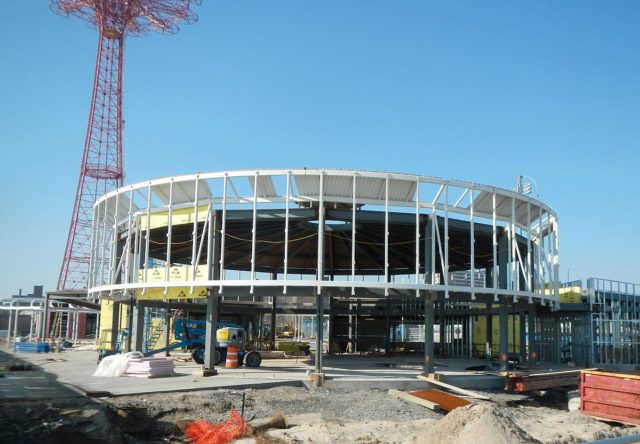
414	400
527	374
447	401
453	388
521	385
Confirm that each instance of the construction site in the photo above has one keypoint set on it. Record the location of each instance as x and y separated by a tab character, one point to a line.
307	304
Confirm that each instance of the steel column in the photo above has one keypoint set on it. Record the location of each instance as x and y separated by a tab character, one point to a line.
139	327
45	318
214	251
531	334
15	327
167	327
504	335
319	332
523	337
210	332
429	319
115	324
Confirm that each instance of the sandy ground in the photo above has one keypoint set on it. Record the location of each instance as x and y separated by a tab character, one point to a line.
364	416
44	411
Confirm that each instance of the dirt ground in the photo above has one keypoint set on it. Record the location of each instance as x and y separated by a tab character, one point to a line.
34	408
318	416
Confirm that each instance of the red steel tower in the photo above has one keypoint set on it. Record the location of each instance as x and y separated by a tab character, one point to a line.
102	169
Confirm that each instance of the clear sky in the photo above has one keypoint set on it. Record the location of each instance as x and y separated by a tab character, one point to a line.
478	91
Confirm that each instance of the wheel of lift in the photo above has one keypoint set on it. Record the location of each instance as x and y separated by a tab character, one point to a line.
197	354
252	359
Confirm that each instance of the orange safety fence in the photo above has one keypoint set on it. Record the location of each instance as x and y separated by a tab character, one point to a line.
203	432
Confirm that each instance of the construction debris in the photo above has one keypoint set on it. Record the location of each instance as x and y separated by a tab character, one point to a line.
520	383
431	380
446	401
134	364
204	432
408	397
277	421
150	368
32	347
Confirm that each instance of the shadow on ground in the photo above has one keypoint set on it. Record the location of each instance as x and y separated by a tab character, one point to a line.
35	407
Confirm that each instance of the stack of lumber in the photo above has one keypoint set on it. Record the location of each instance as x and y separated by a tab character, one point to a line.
150	368
521	383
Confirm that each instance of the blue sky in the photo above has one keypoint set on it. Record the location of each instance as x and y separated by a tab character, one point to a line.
479	91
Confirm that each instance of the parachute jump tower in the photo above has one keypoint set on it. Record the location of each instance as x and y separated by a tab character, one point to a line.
102	168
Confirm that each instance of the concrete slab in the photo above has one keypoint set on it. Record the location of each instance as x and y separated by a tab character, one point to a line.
29	384
73	368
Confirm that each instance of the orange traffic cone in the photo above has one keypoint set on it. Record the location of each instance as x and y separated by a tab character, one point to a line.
232	356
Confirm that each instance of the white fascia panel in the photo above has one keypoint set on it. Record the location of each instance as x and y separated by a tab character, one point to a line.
266	187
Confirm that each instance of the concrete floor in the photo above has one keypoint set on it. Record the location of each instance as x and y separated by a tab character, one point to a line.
73	368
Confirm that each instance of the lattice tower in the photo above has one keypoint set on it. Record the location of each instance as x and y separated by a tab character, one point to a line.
102	165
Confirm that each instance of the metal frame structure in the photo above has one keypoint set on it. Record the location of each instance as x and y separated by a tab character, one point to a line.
19	307
615	321
40	309
102	168
322	233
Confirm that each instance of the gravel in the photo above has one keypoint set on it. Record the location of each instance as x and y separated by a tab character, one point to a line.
215	405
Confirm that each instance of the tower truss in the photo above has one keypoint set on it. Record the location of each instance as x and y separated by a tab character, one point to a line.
102	167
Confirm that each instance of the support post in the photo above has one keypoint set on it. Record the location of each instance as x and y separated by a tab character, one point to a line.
503	260
273	322
31	326
317	379
387	335
429	251
523	337
97	333
504	336
214	253
319	332
139	328
443	328
429	319
115	324
331	342
531	334
167	327
45	318
15	328
210	334
9	328
489	327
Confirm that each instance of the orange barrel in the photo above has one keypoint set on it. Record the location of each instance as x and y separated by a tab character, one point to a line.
232	356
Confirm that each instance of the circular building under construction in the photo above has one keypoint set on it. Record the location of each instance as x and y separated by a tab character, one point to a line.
371	260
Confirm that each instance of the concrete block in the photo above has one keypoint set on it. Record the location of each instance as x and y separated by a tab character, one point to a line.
316	380
203	372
